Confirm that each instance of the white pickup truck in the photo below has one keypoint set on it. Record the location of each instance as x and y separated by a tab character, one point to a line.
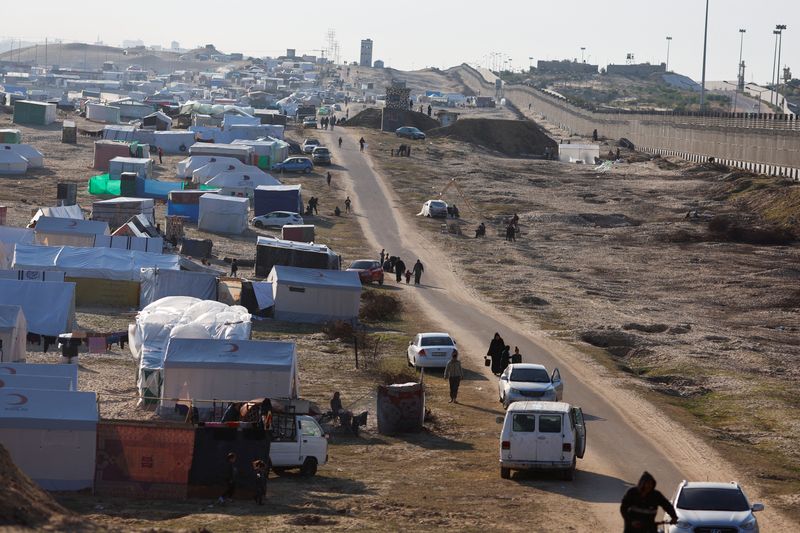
297	442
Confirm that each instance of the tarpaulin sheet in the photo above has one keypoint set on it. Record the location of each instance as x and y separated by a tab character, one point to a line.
190	211
102	184
211	446
143	461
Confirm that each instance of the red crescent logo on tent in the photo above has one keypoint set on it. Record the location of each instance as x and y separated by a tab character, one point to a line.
72	224
8	369
232	347
22	399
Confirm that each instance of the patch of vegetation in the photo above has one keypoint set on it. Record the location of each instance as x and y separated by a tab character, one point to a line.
379	306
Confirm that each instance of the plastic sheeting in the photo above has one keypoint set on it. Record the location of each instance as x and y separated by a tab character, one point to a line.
13	332
49	307
270	198
157	284
10	236
315	296
100	263
187	166
223	214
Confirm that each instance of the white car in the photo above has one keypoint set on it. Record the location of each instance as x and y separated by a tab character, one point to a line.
705	506
309	145
277	219
527	381
431	350
435	208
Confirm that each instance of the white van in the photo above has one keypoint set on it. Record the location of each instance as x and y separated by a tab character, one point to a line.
541	436
297	442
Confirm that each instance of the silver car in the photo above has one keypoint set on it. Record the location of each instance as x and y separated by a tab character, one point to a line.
527	381
434	208
713	507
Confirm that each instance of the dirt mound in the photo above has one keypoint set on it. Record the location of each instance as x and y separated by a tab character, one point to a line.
371	118
729	228
22	502
509	137
709	166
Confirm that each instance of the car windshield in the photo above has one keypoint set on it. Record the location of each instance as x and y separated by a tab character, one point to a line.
312	141
362	264
711	499
320	150
437	203
436	341
530	375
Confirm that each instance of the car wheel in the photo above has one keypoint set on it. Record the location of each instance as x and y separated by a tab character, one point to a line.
258	224
505	473
309	468
569	473
380	281
307	171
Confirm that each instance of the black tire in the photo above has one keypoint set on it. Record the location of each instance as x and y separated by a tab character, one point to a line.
258	224
505	473
380	281
569	473
307	171
309	468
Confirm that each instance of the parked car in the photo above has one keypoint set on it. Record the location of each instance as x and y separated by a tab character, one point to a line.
277	219
435	208
429	350
321	156
527	381
310	122
297	442
368	270
309	145
295	164
410	132
704	506
542	436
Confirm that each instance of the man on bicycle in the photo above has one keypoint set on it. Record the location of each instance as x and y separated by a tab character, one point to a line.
640	506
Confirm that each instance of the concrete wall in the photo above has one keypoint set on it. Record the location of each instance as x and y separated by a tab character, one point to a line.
765	143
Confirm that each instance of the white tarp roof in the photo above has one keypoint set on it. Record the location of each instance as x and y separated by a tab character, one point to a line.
280	243
210	170
38	369
76	410
223	214
34	157
13	333
187	166
66	211
71	226
103	263
312	277
10	236
49	306
247	179
24	381
221	354
12	163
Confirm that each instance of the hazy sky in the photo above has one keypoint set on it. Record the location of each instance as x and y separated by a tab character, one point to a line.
443	33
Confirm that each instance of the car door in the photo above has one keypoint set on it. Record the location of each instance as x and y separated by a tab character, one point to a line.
312	440
524	442
558	385
285	447
550	437
580	432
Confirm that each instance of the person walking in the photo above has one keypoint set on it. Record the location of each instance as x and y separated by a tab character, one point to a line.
262	474
430	109
505	358
516	357
234	267
362	143
640	505
160	155
347	203
495	352
418	270
340	142
328	178
383	255
399	269
230	478
314	203
453	373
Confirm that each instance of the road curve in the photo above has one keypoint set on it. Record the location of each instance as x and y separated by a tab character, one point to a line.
626	435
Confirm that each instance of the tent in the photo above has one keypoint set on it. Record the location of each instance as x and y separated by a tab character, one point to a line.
185	204
241	182
102	113
186	166
13	332
141	166
270	198
9	236
34	157
11	163
157	284
23	381
53	437
173	142
52	231
68	372
106	150
130	242
238	151
119	133
10	136
578	153
223	214
32	275
117	211
271	252
312	295
49	306
228	370
66	211
206	172
38	113
158	121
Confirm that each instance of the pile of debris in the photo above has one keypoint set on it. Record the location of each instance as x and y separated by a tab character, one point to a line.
515	138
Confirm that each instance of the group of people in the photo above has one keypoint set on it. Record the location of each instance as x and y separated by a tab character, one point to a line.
313	206
512	227
326	121
398	266
499	354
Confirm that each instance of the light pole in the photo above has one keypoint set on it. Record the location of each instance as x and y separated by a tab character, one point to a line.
583	48
669	40
740	74
780	28
774	59
705	43
530	69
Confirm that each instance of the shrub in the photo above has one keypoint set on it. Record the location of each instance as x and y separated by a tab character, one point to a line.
379	306
338	329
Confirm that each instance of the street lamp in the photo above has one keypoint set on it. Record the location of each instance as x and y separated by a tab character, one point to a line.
740	74
583	48
531	63
780	28
669	40
774	59
705	43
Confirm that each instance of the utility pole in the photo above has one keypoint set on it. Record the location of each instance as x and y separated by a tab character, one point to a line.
669	40
739	74
780	28
705	44
774	60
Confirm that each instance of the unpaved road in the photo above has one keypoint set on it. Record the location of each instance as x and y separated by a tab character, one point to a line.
626	434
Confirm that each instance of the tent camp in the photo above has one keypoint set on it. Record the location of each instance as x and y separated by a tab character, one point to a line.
223	214
270	198
229	370
187	166
51	231
13	332
34	157
117	211
141	166
316	296
241	182
271	252
49	306
237	151
54	446
68	372
173	142
11	163
157	284
9	236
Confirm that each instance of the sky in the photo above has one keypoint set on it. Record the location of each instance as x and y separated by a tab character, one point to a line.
415	34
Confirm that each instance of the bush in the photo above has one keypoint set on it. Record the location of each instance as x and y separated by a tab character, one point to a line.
339	329
379	306
727	229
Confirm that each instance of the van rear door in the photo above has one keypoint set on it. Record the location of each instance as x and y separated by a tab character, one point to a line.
550	437
523	437
580	432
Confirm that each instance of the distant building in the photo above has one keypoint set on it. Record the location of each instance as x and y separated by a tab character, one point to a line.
132	43
366	53
640	70
291	53
378	64
565	66
175	46
236	56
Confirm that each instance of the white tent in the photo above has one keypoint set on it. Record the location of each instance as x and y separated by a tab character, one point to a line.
241	152
62	211
241	182
223	214
24	381
49	306
173	142
141	166
100	263
9	236
190	164
69	372
13	333
51	435
32	275
312	295
578	153
228	370
12	163
102	113
51	231
34	157
211	170
158	283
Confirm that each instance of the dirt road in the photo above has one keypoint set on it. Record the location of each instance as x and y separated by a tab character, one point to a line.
626	434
